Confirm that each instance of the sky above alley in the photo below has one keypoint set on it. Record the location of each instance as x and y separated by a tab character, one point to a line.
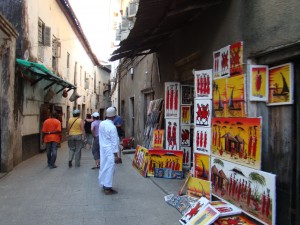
95	17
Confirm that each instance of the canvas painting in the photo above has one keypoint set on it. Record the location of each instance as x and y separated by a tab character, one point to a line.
237	140
219	97
187	157
203	113
249	189
194	210
202	140
202	166
140	160
185	115
206	216
236	59
281	89
172	97
259	83
171	160
198	188
225	61
238	219
158	139
225	208
235	104
185	136
203	84
172	134
181	203
217	64
187	94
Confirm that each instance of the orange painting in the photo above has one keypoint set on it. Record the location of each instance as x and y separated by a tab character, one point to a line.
158	139
281	85
202	166
219	97
198	188
236	59
237	140
259	83
140	160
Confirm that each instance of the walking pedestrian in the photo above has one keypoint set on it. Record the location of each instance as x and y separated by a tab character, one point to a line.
51	130
87	128
76	137
95	132
109	147
119	122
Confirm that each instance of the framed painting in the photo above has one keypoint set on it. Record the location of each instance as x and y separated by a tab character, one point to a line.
237	140
164	159
236	58
172	97
259	83
281	85
235	104
217	64
251	190
225	208
202	113
202	140
202	166
187	94
225	61
185	114
219	97
172	134
203	84
140	160
198	188
206	216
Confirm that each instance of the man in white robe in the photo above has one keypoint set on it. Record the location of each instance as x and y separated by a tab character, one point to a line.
109	147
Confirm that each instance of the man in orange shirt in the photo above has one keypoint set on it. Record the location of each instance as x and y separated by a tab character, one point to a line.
52	130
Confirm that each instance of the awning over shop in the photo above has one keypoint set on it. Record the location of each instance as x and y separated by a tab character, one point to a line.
35	72
156	22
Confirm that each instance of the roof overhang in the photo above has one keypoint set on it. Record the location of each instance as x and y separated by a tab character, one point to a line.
35	72
157	21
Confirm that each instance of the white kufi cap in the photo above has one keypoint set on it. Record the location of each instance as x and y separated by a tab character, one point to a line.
111	112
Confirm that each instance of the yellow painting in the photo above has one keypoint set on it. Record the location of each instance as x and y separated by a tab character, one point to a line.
219	97
140	160
281	85
158	139
198	188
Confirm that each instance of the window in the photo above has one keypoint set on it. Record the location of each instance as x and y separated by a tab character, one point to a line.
86	80
55	53
80	75
68	66
75	74
44	38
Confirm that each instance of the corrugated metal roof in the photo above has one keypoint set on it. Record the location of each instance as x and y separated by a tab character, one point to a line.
156	22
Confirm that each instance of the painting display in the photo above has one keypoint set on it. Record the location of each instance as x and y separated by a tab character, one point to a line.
202	140
172	97
186	115
194	210
281	85
140	160
206	216
187	157
249	189
203	84
203	113
259	83
236	58
201	166
237	140
235	95
198	188
172	134
165	159
187	94
225	208
158	139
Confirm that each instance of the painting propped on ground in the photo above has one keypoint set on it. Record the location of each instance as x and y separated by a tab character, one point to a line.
172	97
281	89
202	166
171	160
259	83
251	190
198	188
238	219
202	140
235	104
219	97
203	84
206	216
225	208
140	160
237	140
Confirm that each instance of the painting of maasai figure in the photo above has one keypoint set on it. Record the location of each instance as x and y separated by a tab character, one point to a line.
203	84
172	134
202	113
259	83
172	98
202	140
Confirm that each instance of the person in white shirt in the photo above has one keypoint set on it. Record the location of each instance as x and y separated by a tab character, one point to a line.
109	147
